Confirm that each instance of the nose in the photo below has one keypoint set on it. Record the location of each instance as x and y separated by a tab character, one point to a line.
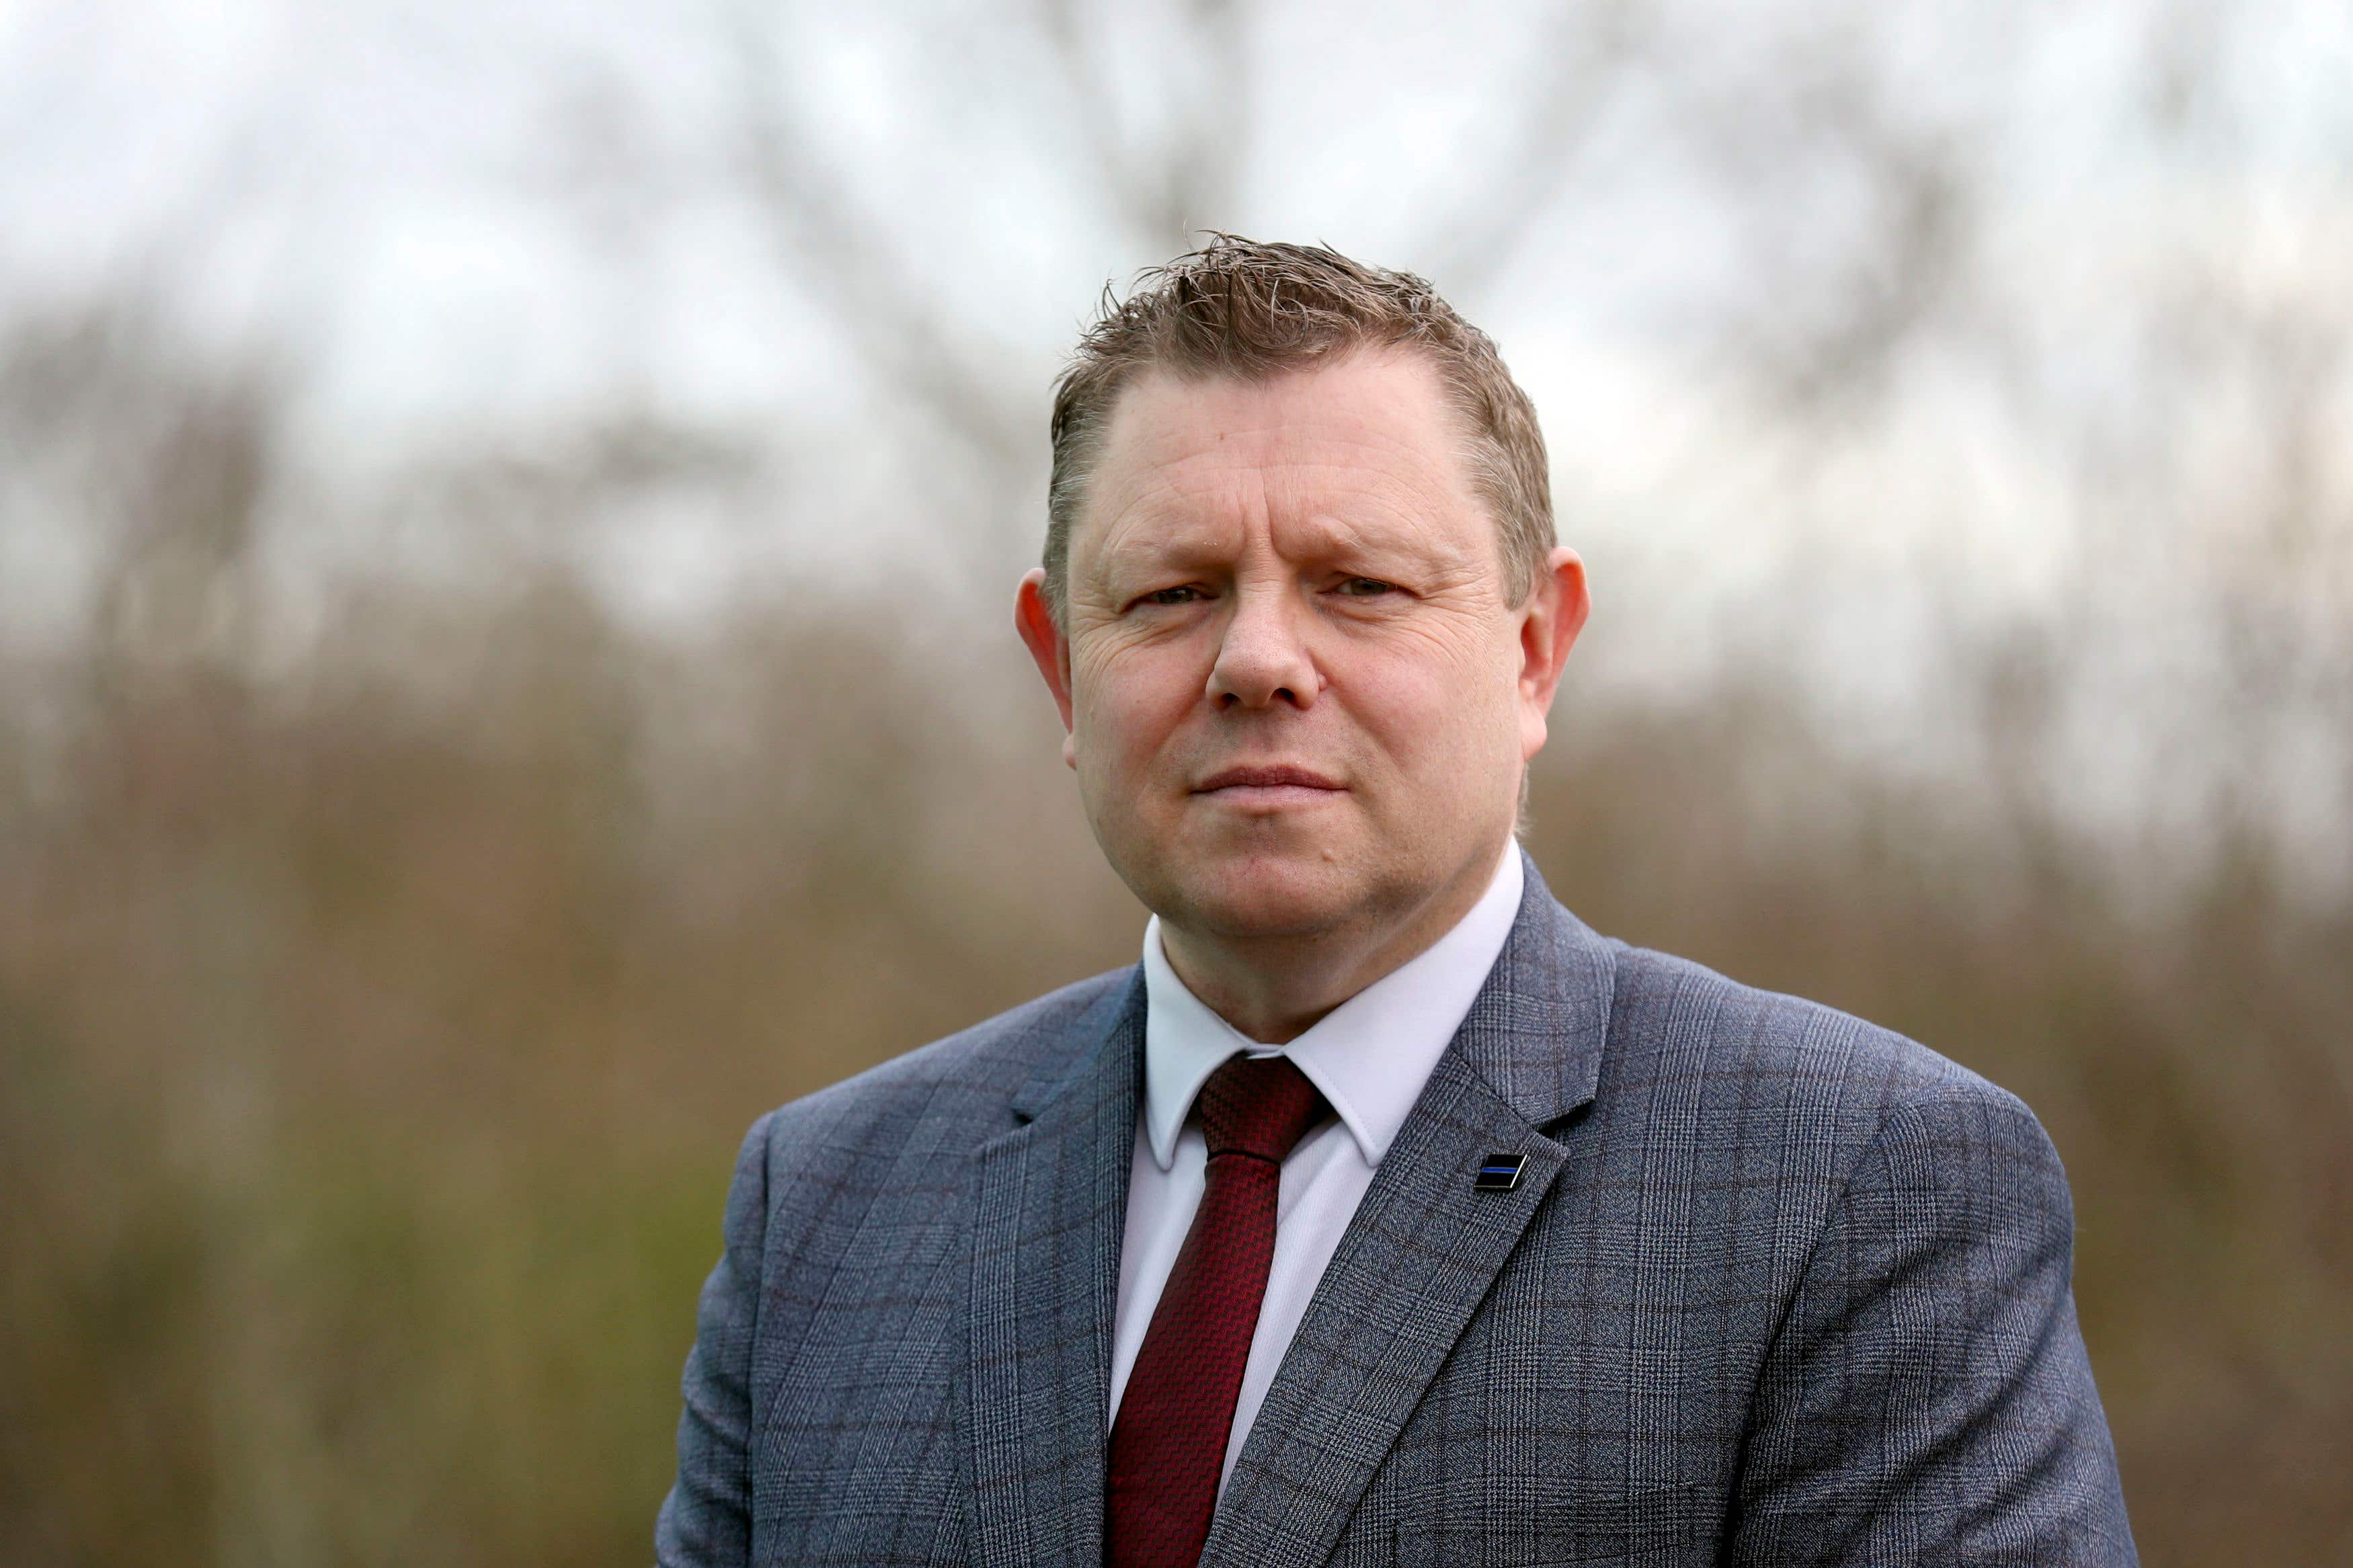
1263	658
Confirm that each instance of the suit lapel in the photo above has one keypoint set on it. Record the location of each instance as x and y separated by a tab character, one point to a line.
1424	1246
1053	1199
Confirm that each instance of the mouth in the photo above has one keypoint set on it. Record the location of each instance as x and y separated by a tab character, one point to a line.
1269	785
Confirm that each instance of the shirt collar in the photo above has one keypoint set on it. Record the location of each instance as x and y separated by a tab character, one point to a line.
1369	1056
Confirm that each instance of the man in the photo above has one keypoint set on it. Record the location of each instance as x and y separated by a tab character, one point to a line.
1384	1212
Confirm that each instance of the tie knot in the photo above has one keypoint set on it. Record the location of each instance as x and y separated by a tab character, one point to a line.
1258	1106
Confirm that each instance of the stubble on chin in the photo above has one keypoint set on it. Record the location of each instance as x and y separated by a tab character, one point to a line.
1294	893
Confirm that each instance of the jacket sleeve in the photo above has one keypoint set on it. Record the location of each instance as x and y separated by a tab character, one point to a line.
706	1520
1927	1400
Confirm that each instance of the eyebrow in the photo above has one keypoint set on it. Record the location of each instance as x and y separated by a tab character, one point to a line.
1188	539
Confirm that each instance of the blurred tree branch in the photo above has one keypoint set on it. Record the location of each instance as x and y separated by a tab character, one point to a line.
1190	183
825	237
1582	63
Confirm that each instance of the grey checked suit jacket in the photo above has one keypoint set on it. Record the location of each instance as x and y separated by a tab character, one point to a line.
1775	1287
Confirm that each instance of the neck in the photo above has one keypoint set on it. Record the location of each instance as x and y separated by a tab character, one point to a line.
1272	989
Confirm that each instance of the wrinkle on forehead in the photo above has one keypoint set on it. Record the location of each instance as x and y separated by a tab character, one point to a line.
1192	468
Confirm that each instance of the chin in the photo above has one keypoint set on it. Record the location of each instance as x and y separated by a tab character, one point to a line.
1266	896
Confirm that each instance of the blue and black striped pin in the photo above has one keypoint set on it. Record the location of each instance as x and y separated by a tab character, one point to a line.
1498	1174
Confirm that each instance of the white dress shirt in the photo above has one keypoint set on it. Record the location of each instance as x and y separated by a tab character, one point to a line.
1370	1056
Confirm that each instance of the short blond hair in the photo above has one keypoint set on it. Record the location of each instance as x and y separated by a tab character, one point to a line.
1252	309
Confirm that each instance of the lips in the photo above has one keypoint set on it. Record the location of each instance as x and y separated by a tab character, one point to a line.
1280	776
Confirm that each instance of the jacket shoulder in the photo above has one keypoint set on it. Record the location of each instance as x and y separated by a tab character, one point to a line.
1681	1030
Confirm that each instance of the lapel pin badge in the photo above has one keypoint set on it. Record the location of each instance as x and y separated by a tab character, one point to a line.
1498	1174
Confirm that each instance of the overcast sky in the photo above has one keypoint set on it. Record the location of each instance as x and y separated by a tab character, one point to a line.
515	210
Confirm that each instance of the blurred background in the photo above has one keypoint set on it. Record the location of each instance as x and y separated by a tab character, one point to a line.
508	516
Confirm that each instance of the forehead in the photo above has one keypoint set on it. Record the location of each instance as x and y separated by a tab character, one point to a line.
1369	444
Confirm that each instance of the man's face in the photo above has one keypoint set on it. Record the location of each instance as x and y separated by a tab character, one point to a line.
1298	698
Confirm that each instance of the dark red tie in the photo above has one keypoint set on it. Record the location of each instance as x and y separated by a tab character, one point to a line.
1168	1443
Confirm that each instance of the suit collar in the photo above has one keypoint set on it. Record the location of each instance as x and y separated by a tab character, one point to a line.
1052	1197
1417	1257
1424	1248
1099	1032
1536	1029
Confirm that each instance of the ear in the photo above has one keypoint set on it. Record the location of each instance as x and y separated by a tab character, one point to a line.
1049	648
1554	615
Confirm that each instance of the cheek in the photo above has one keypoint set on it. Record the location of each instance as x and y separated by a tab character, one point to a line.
1437	705
1126	704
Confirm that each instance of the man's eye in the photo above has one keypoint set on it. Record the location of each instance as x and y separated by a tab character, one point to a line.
1367	587
1183	595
